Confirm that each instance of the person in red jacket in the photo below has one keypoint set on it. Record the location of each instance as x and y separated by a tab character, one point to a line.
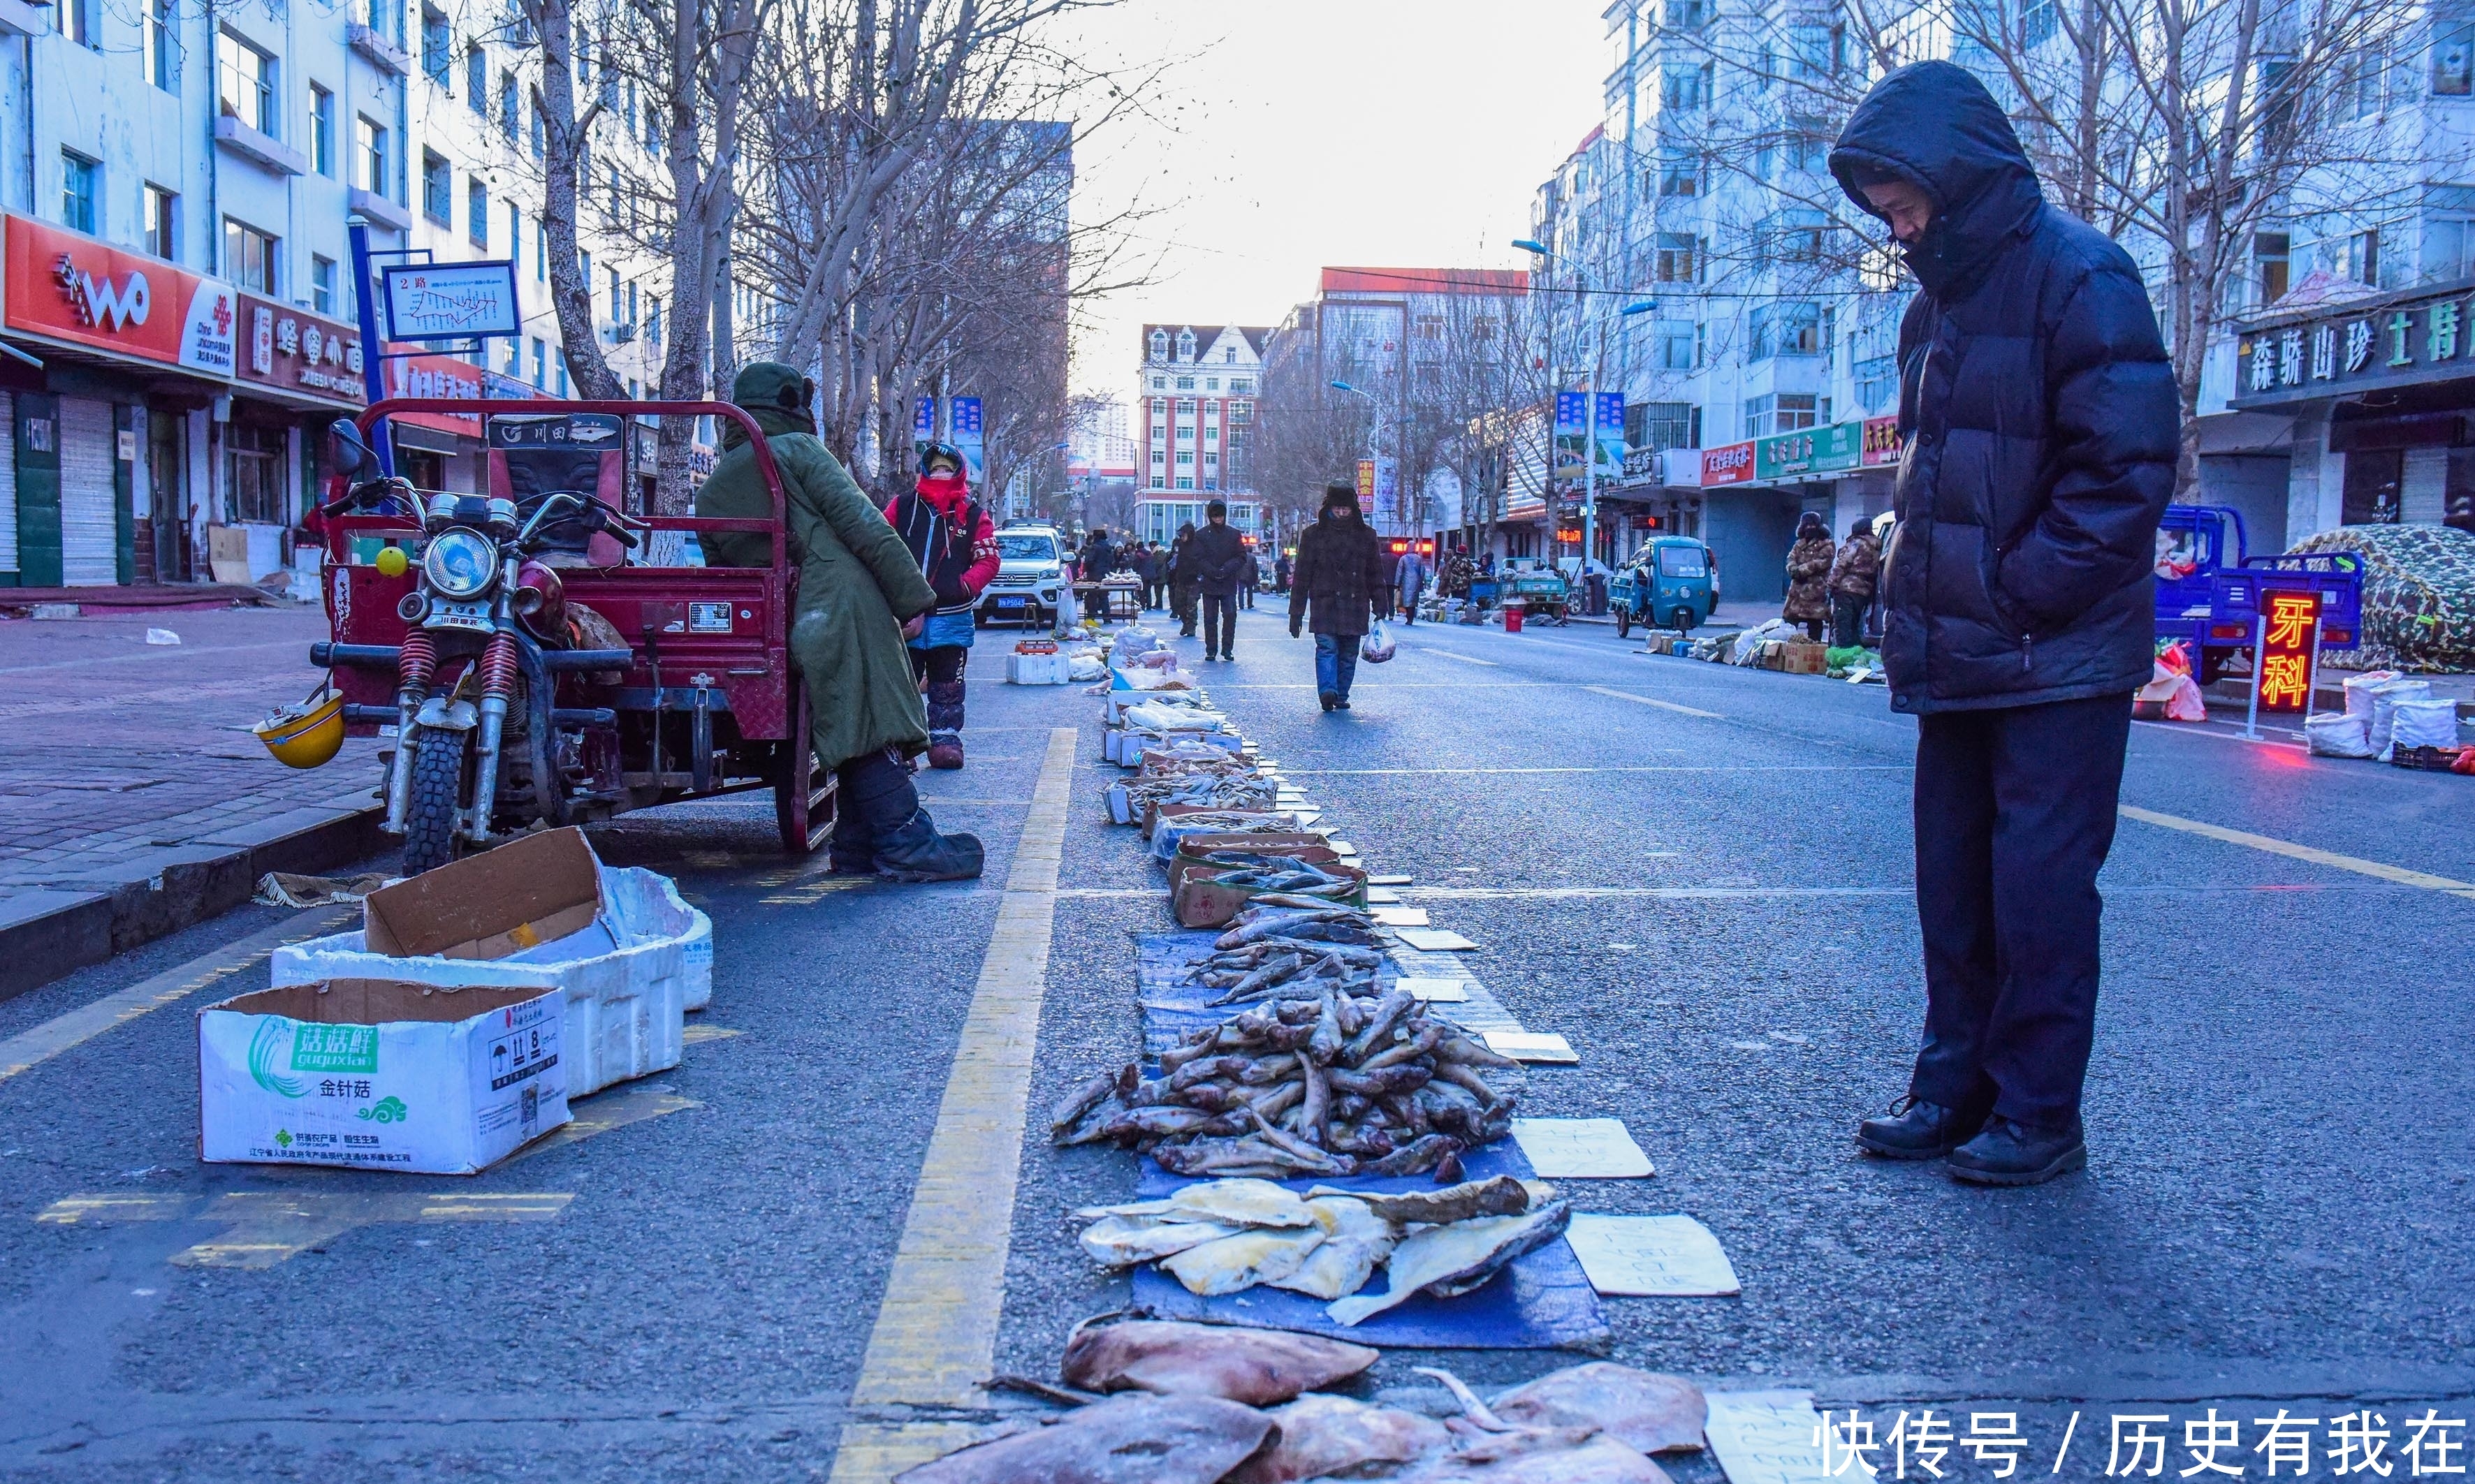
956	546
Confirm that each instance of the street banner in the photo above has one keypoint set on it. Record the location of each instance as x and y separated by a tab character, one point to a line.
1572	413
1613	447
1366	488
967	437
432	302
66	286
924	419
1881	442
1388	487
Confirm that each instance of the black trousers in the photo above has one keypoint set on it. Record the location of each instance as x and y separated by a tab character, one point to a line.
2015	812
1847	619
1219	623
940	672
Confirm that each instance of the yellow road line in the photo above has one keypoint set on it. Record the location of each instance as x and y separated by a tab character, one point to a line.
32	1048
2317	856
936	1336
1645	700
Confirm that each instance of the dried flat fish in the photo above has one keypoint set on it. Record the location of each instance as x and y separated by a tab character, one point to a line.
1501	1195
1236	1203
1332	1437
1651	1413
1233	1264
1356	1242
1257	1366
1552	1457
1125	1439
1453	1259
1122	1241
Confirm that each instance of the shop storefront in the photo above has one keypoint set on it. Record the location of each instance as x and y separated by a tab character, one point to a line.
127	343
298	372
1755	493
2382	394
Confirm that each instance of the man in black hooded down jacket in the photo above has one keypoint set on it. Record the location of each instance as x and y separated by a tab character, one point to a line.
2038	415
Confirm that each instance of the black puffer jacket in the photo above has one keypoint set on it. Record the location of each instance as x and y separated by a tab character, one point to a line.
1218	554
2039	413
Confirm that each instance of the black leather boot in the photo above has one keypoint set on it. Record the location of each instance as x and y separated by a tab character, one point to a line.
2009	1152
1917	1130
917	852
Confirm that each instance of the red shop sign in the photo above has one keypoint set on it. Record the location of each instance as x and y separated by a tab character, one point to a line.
67	286
1728	464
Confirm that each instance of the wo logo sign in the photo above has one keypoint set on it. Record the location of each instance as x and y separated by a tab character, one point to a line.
103	306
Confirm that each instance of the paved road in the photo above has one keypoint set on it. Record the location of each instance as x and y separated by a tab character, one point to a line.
1700	875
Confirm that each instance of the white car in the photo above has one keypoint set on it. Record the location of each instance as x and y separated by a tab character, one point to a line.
1031	578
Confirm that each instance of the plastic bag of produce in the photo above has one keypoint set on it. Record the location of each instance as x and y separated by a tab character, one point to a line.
1377	646
2384	704
2425	723
2359	688
2339	734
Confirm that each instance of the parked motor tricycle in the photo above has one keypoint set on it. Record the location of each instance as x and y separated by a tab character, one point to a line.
1673	581
541	655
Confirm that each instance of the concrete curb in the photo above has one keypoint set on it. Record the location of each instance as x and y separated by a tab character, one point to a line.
66	924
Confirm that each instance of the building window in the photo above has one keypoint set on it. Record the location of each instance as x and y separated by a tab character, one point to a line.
1159	346
1186	384
1186	456
508	105
1185	345
437	188
541	364
1186	406
1664	424
2453	61
253	474
1184	481
249	256
1794	237
1159	405
515	236
1878	383
477	213
1160	383
477	80
162	47
245	80
1784	412
1242	386
1787	328
77	21
162	229
1684	85
373	143
436	50
541	251
558	369
1679	172
1672	345
2271	262
653	324
2448	249
78	191
1240	412
2357	255
322	130
322	285
540	125
1679	257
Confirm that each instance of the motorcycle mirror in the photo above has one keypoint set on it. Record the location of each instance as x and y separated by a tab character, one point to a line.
345	449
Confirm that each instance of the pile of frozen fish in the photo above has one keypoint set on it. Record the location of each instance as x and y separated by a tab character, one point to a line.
1324	1076
1181	1403
1225	1236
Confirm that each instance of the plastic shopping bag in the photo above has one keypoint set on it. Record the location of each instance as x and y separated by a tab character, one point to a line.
1377	646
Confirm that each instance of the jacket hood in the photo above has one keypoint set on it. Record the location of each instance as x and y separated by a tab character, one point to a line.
775	395
1934	125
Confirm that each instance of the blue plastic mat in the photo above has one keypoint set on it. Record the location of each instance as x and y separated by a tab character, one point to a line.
1543	1301
1169	1008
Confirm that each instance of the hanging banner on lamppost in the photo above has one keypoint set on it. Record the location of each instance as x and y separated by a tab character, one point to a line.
967	437
430	302
1366	488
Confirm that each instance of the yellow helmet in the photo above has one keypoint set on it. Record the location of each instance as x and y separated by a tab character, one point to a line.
307	735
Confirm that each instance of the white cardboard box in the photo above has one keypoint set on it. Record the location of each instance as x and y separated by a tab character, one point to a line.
1037	669
631	955
379	1074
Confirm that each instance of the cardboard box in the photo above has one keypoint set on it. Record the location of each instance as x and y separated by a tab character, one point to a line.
1190	851
379	1074
521	895
1204	901
640	959
1051	669
1802	658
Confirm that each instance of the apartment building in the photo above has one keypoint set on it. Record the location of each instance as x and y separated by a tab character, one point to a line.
1198	388
179	319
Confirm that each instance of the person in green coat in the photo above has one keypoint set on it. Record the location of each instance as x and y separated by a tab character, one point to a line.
860	593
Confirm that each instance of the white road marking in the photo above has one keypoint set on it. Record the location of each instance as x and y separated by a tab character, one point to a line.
1650	701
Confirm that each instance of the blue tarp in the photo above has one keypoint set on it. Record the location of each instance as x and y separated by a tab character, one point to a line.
1543	1301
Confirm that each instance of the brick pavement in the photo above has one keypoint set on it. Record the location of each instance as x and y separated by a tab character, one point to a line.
117	756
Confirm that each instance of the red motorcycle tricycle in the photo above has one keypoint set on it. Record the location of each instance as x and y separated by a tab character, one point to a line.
541	655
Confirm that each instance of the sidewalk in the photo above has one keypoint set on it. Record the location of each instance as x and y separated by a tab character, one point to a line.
133	800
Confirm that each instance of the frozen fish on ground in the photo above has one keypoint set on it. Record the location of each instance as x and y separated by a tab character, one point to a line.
1501	1195
1257	1366
1356	1242
1232	1264
1236	1203
1122	1241
1652	1413
1333	1436
1125	1439
1551	1457
1087	1096
1453	1259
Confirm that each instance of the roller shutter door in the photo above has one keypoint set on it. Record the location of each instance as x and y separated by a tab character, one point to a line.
8	484
86	494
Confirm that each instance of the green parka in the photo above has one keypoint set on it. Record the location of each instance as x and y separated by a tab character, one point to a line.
858	584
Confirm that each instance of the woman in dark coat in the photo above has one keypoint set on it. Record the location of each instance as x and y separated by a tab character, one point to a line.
1809	577
1338	582
1185	580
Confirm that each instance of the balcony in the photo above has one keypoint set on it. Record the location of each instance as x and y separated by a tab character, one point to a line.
380	211
264	151
381	53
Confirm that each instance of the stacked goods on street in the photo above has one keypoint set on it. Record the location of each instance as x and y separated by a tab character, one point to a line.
2418	595
453	1027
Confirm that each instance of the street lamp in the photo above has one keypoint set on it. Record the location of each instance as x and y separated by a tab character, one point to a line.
1374	415
1590	448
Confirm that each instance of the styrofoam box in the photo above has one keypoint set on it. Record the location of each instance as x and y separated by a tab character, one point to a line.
1037	669
624	1003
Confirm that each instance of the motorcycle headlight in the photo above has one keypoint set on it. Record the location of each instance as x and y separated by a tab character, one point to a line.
460	564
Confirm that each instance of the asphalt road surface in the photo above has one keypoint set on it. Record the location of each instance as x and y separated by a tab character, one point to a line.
1700	875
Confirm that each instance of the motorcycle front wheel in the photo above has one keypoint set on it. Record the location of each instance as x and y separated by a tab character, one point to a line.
430	837
1624	621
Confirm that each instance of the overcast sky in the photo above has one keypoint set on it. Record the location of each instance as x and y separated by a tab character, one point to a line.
1296	134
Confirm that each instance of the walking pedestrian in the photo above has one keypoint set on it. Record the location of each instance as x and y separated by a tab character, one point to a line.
1219	557
1809	577
1182	587
1336	588
860	593
1851	584
1099	559
1154	576
1281	572
2040	418
1249	577
955	543
1391	577
1410	580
